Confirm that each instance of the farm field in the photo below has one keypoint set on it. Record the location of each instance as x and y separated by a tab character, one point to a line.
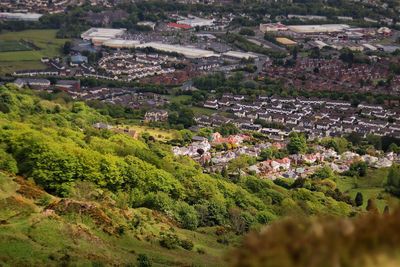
45	41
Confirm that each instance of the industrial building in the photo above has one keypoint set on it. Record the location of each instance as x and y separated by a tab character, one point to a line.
149	24
239	55
285	41
188	52
196	22
272	27
120	43
20	16
99	35
313	29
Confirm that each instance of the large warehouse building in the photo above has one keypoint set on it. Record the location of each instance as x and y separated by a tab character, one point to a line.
120	43
99	35
324	28
20	16
196	22
188	52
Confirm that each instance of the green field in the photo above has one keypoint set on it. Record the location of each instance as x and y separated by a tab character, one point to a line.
371	186
45	40
12	46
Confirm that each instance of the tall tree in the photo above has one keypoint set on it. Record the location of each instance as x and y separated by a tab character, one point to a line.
359	199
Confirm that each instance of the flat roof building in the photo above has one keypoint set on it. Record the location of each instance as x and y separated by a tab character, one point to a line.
120	43
324	28
196	22
102	34
186	51
20	16
285	41
239	55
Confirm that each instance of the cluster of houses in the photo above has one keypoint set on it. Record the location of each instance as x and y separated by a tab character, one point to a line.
45	84
204	151
316	117
334	75
130	67
48	7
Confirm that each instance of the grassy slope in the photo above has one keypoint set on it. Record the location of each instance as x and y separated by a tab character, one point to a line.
44	39
371	186
29	236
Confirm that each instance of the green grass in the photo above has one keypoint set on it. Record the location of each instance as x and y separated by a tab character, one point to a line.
179	99
371	186
46	42
11	66
12	45
203	111
157	133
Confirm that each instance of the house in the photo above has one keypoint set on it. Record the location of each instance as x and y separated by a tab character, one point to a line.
68	85
156	115
32	83
78	60
213	104
272	166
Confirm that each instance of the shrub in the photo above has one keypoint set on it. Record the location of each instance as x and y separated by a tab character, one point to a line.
187	244
187	216
44	201
265	217
169	241
143	261
201	251
7	162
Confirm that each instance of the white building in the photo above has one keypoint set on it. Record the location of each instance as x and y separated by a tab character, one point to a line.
20	16
324	28
196	22
189	52
120	43
100	35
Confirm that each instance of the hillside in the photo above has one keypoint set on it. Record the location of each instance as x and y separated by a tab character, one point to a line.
38	229
85	195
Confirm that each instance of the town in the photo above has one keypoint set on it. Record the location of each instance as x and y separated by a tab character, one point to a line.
199	133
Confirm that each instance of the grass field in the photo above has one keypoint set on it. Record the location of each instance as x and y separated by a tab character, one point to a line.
371	186
46	42
157	133
13	45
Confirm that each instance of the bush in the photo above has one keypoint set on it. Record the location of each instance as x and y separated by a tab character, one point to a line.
143	261
201	251
187	216
187	244
7	162
169	241
44	201
265	217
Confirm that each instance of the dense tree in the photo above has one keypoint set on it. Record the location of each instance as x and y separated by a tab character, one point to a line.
297	144
359	199
393	180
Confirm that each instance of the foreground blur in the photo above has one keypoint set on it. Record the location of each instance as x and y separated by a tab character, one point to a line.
368	240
